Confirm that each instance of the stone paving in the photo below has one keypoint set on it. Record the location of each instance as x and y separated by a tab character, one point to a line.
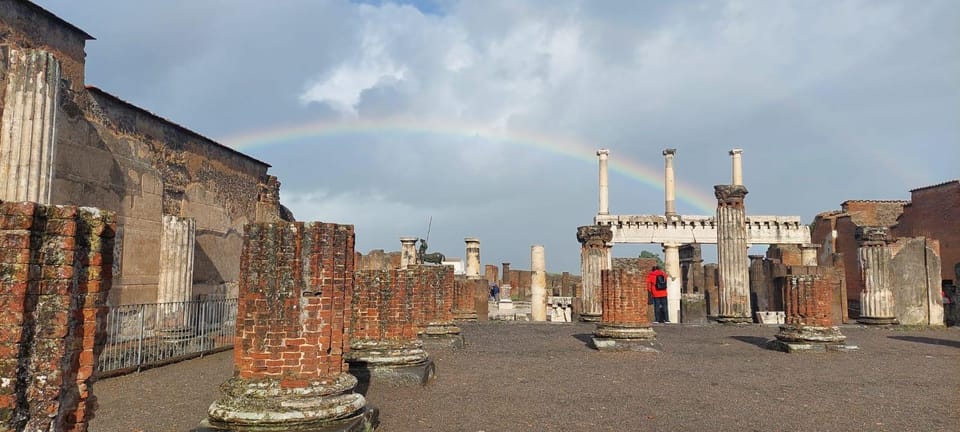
542	377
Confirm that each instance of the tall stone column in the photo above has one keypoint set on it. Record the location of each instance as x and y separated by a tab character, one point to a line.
538	284
736	155
625	321
296	292
603	154
408	252
671	264
175	286
473	257
594	258
877	304
27	135
809	318
669	185
734	284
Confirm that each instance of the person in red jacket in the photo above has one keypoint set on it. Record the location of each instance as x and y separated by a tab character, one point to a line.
657	285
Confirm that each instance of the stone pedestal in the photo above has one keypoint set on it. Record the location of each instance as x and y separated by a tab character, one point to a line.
296	289
538	284
594	258
734	284
809	326
625	324
877	305
176	269
27	132
693	309
408	252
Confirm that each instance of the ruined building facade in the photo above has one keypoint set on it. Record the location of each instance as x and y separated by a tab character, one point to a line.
64	142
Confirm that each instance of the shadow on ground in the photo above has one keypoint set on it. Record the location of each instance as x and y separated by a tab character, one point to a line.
586	338
759	342
928	340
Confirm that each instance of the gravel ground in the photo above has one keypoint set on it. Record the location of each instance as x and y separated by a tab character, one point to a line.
543	377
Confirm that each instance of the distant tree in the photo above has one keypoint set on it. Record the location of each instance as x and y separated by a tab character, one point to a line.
646	254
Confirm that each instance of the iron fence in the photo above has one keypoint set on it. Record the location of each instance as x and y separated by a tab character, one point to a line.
152	334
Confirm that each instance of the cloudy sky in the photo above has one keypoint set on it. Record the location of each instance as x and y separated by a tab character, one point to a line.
485	115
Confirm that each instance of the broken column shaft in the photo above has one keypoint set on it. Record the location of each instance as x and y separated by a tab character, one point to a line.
538	284
594	258
625	323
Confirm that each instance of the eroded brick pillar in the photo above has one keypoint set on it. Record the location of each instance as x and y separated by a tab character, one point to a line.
464	298
28	129
809	316
55	274
294	312
383	339
625	322
734	284
594	258
433	299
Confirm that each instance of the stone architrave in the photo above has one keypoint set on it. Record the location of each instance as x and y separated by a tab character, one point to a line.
734	284
538	284
408	252
177	241
473	258
877	304
296	290
594	258
625	323
809	323
27	134
383	337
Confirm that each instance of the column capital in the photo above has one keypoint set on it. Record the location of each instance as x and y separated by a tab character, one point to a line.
669	152
603	153
736	151
594	235
409	239
671	245
729	192
471	240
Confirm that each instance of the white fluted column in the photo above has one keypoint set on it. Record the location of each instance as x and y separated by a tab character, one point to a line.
408	252
603	154
27	135
877	305
176	265
734	286
473	258
669	184
538	284
671	266
737	157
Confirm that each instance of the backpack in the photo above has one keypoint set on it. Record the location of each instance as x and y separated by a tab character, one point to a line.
661	283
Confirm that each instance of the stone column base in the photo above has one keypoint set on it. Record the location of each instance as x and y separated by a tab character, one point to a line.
878	321
464	316
614	337
590	317
734	320
437	329
393	362
442	341
406	374
265	405
800	338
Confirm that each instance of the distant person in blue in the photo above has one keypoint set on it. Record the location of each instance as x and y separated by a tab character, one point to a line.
495	292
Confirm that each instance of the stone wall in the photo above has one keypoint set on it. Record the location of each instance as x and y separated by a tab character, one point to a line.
915	276
433	294
55	273
934	212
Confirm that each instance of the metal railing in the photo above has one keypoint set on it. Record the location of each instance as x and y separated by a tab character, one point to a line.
152	334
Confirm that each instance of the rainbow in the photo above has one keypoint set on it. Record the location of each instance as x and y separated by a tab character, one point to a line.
398	126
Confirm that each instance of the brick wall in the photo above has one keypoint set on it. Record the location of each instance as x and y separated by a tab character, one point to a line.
295	302
624	295
55	274
491	273
381	308
433	294
934	212
464	295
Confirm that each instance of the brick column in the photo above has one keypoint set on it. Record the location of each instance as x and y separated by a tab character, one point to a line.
383	339
625	322
28	129
464	298
433	293
594	258
294	312
734	284
809	322
55	274
711	291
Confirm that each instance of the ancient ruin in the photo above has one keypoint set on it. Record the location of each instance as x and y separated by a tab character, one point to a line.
625	324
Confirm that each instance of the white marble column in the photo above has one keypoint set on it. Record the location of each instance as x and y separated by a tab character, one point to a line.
669	184
877	305
176	266
473	258
671	266
408	252
734	284
603	154
29	125
595	257
538	284
737	157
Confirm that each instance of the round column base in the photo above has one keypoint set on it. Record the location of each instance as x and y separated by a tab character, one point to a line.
734	320
590	317
878	321
625	331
